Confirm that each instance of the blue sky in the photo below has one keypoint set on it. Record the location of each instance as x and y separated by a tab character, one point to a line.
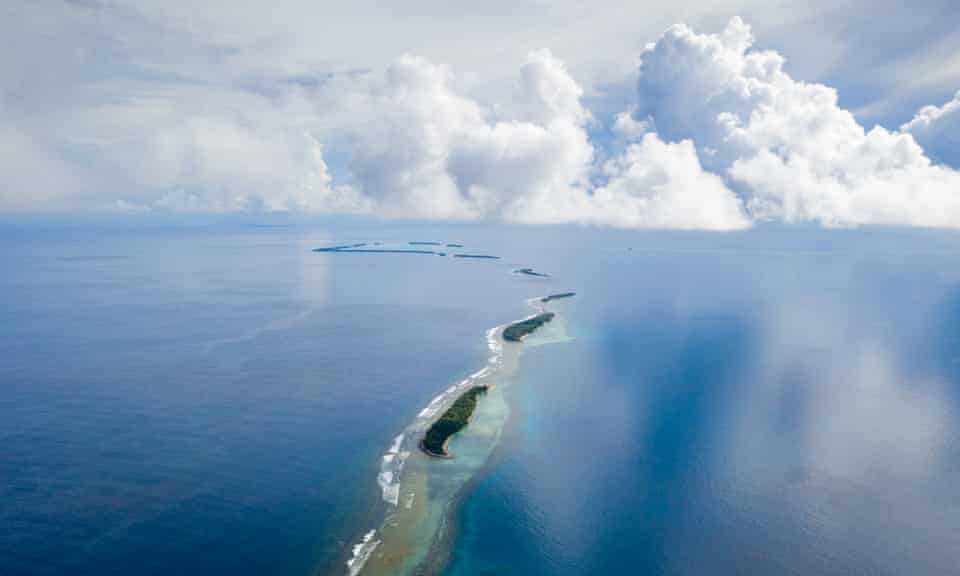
712	115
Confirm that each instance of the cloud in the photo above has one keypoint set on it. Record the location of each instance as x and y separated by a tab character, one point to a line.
191	149
655	184
786	146
222	165
33	179
425	151
167	108
938	130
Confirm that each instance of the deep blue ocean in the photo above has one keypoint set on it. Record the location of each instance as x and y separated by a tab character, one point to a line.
210	396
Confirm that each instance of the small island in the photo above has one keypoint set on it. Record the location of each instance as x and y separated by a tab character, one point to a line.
479	256
530	272
455	419
342	248
359	249
518	330
546	299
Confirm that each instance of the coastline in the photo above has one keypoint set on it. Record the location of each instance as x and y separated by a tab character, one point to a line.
431	454
420	489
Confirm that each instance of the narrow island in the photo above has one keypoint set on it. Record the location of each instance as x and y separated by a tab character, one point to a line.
546	299
342	248
424	243
480	256
518	330
530	272
455	419
358	249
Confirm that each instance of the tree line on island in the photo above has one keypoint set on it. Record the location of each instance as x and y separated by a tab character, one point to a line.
458	415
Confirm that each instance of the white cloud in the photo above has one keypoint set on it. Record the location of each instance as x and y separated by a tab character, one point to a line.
938	130
33	179
190	108
786	145
188	149
655	184
421	149
218	164
425	151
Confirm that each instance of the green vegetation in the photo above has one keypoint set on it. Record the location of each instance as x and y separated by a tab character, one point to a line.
453	420
546	299
516	331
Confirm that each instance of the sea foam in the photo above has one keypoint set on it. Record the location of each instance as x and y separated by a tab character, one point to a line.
362	552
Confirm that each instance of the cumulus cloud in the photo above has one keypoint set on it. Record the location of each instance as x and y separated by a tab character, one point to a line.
424	150
215	164
786	146
938	130
719	136
662	185
427	151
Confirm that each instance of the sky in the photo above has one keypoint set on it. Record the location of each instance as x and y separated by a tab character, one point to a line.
697	115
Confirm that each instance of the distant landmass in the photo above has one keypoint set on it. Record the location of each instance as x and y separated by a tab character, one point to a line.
480	256
546	299
361	248
379	251
530	272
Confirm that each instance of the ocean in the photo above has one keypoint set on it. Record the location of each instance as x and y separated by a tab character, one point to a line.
206	396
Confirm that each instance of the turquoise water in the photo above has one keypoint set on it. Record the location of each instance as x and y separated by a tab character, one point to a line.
216	397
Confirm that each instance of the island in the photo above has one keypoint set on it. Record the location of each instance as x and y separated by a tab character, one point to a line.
424	243
530	272
452	245
342	248
518	330
546	299
481	256
358	249
455	419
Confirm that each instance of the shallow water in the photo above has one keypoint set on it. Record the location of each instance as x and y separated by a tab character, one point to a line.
421	491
